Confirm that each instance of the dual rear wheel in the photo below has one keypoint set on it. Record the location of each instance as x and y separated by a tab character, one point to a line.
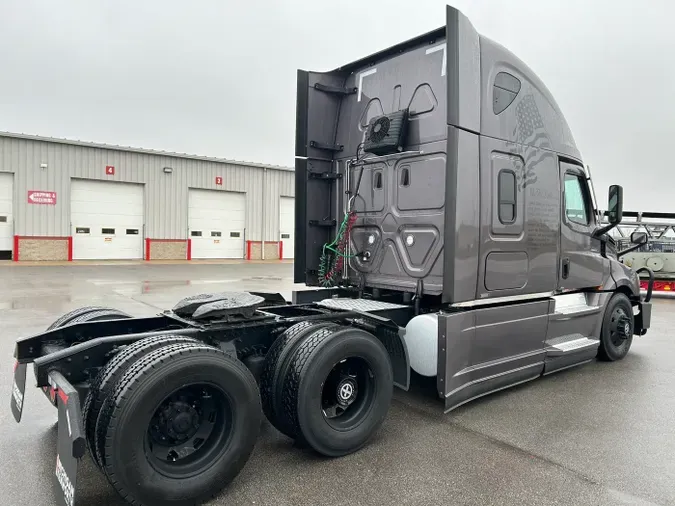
327	386
171	420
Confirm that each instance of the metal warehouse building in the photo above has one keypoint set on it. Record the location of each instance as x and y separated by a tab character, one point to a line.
72	200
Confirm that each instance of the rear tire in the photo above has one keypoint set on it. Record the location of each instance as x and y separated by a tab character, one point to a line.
71	315
204	435
618	324
276	362
108	378
338	390
99	315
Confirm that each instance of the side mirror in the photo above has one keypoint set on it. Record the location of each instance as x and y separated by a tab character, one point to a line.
615	207
614	210
639	238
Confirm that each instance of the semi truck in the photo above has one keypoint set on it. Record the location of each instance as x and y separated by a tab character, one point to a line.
446	226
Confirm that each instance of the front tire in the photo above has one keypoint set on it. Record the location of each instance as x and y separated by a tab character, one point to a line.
182	423
616	335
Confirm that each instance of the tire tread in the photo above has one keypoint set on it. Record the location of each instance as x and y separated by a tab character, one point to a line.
64	319
129	382
104	383
291	382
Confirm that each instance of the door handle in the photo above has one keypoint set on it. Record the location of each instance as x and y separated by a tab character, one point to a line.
565	268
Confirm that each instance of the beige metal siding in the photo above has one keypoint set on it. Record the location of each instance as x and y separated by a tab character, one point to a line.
166	195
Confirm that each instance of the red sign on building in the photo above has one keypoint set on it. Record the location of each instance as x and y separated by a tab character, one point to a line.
40	197
219	180
109	170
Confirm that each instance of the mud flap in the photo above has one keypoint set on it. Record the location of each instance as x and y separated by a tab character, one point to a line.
643	318
18	390
70	446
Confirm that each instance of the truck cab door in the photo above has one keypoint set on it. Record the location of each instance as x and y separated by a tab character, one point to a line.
581	264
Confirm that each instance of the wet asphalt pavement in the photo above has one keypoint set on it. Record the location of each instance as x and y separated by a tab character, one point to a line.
599	434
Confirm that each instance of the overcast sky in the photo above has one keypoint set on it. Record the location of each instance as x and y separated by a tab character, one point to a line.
217	77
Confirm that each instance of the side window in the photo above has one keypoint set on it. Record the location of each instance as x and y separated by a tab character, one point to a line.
504	91
507	202
506	192
576	199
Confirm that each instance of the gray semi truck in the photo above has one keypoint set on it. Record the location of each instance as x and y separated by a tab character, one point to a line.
445	226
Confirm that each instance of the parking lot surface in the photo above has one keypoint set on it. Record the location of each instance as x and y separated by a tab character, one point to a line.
599	434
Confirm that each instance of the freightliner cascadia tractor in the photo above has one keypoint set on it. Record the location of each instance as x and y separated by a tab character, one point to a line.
446	227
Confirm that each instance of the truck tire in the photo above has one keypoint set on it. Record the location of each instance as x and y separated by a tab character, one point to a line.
182	423
100	314
337	390
616	334
276	356
107	378
71	315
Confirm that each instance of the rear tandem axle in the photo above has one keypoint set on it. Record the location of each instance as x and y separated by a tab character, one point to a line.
188	388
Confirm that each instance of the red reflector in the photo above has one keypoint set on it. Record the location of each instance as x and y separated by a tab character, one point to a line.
660	286
63	396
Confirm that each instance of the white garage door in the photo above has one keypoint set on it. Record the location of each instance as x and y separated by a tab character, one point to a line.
6	221
107	220
216	223
287	226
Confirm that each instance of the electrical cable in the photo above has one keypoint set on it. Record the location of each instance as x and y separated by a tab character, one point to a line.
333	255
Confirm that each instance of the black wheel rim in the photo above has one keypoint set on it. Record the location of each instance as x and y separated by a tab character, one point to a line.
347	393
188	431
620	327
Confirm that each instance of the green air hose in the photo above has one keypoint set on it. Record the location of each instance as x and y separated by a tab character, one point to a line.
333	254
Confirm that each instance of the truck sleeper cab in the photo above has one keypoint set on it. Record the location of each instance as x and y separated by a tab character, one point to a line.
445	225
468	195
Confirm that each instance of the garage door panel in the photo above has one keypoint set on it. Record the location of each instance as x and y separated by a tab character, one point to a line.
287	225
94	207
6	206
216	220
107	219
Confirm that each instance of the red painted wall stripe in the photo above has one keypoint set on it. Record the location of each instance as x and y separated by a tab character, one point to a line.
70	249
189	249
15	254
147	249
281	250
248	250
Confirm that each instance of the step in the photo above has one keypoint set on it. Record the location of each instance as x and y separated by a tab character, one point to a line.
569	344
363	305
570	305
